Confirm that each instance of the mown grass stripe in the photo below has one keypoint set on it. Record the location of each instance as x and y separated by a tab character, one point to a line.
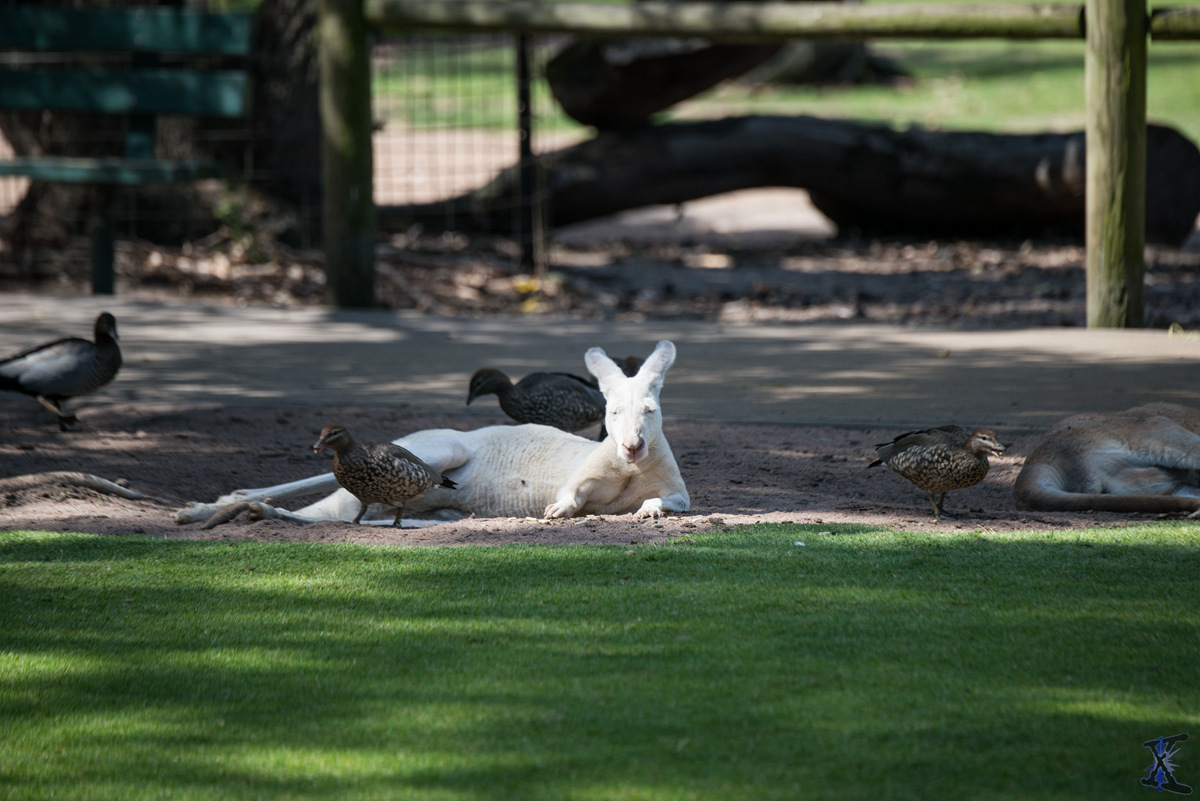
865	664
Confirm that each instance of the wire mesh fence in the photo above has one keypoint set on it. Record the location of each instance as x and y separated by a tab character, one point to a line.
44	224
446	111
452	113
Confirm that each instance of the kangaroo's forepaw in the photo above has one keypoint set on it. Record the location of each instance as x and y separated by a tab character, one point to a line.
559	510
653	507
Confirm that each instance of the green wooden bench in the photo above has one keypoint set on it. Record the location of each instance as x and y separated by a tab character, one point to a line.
164	74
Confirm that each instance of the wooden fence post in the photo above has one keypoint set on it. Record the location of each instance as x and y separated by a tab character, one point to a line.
1115	82
348	219
526	166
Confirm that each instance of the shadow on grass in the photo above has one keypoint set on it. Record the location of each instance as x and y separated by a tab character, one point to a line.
863	664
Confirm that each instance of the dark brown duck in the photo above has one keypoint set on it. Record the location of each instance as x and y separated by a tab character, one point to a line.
561	400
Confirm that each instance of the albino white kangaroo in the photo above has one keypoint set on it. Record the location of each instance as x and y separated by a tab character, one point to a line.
519	471
1145	459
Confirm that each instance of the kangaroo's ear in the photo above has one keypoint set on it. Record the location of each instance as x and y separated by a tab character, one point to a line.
658	362
599	365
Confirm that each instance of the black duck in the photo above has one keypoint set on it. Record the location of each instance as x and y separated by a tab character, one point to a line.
65	368
561	400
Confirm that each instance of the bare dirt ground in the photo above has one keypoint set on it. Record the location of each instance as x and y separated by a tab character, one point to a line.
735	475
728	259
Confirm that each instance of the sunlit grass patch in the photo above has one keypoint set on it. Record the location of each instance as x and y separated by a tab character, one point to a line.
863	663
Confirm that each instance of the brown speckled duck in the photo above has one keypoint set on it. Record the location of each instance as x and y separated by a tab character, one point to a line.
65	368
938	460
378	472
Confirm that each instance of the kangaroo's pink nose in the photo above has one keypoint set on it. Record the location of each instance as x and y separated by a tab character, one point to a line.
635	449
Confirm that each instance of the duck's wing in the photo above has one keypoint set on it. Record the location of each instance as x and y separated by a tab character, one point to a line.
62	368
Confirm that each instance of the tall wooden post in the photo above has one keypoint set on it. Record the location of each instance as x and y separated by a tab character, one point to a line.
527	169
1115	81
348	219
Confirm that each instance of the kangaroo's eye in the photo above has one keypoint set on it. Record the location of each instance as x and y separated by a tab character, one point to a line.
651	407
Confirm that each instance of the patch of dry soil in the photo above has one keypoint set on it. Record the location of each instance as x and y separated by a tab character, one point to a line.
735	475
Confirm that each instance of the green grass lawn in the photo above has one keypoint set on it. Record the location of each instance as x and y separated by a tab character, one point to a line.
863	664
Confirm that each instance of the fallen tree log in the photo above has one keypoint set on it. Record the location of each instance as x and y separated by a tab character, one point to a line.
867	178
620	84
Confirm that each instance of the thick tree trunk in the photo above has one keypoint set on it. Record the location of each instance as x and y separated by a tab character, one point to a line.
866	178
620	84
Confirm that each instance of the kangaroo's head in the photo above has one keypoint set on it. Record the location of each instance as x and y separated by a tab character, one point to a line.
632	414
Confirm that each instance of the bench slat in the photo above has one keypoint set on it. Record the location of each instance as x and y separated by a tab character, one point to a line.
171	30
108	170
141	92
159	91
